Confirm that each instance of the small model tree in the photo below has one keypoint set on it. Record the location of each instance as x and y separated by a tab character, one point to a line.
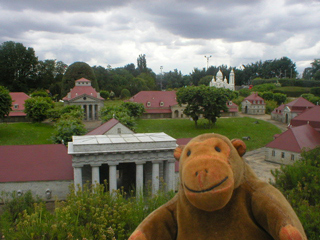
5	102
37	108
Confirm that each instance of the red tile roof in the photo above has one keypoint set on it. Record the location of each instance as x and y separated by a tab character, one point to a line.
254	97
300	102
155	98
232	107
296	138
18	98
311	116
78	91
279	109
22	163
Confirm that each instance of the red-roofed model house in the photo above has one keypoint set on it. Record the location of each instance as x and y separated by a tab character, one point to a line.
17	113
112	127
253	105
163	104
286	112
85	95
45	170
310	116
287	147
159	104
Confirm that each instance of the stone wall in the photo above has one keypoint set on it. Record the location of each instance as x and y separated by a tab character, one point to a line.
281	156
59	189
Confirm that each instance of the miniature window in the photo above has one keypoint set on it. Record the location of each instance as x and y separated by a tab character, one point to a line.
258	102
148	104
16	106
161	104
292	157
282	155
273	153
119	130
230	103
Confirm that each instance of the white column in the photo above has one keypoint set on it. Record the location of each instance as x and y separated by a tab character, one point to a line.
88	112
93	112
95	173
171	177
77	172
112	176
139	178
155	177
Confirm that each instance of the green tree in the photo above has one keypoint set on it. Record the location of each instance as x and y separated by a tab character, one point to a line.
300	183
76	71
315	71
205	80
37	108
17	67
208	101
280	98
120	113
5	102
142	63
125	93
134	109
69	125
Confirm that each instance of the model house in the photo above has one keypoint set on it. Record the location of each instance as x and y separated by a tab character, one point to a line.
286	112
87	97
287	146
17	113
310	116
112	127
45	170
163	104
253	105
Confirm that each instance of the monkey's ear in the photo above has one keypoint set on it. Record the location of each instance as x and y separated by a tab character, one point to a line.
240	146
178	151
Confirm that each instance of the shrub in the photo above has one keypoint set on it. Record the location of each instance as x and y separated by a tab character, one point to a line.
244	92
120	113
134	109
311	98
39	93
105	94
315	91
266	87
266	95
270	106
300	182
279	98
5	102
67	127
125	93
37	108
91	213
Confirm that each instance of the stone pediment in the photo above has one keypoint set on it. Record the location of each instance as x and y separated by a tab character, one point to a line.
286	109
84	98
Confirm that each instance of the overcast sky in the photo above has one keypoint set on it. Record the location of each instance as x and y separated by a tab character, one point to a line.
173	34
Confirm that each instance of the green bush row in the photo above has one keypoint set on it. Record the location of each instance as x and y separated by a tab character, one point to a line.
288	82
92	213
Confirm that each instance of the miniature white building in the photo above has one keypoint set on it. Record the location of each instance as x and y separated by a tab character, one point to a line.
220	82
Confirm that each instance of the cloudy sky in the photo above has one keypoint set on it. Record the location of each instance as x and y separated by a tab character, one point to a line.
173	34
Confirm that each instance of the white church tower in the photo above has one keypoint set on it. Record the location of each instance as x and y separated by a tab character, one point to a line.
220	82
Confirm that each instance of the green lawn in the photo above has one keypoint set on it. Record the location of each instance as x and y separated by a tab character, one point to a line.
25	133
260	134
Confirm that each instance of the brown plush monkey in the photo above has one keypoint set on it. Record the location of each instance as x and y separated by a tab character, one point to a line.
220	197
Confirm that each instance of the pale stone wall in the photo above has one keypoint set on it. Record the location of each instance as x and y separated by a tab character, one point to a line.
59	189
281	156
119	129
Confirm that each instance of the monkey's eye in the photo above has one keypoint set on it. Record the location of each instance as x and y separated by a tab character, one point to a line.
217	149
188	153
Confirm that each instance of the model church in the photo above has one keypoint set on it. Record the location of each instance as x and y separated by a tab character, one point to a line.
220	82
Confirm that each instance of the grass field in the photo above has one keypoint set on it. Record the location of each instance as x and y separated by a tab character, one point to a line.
260	134
25	133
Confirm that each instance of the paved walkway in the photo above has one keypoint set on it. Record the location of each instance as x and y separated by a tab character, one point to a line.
256	157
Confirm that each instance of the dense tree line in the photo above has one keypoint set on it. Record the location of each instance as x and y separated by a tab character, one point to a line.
22	71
